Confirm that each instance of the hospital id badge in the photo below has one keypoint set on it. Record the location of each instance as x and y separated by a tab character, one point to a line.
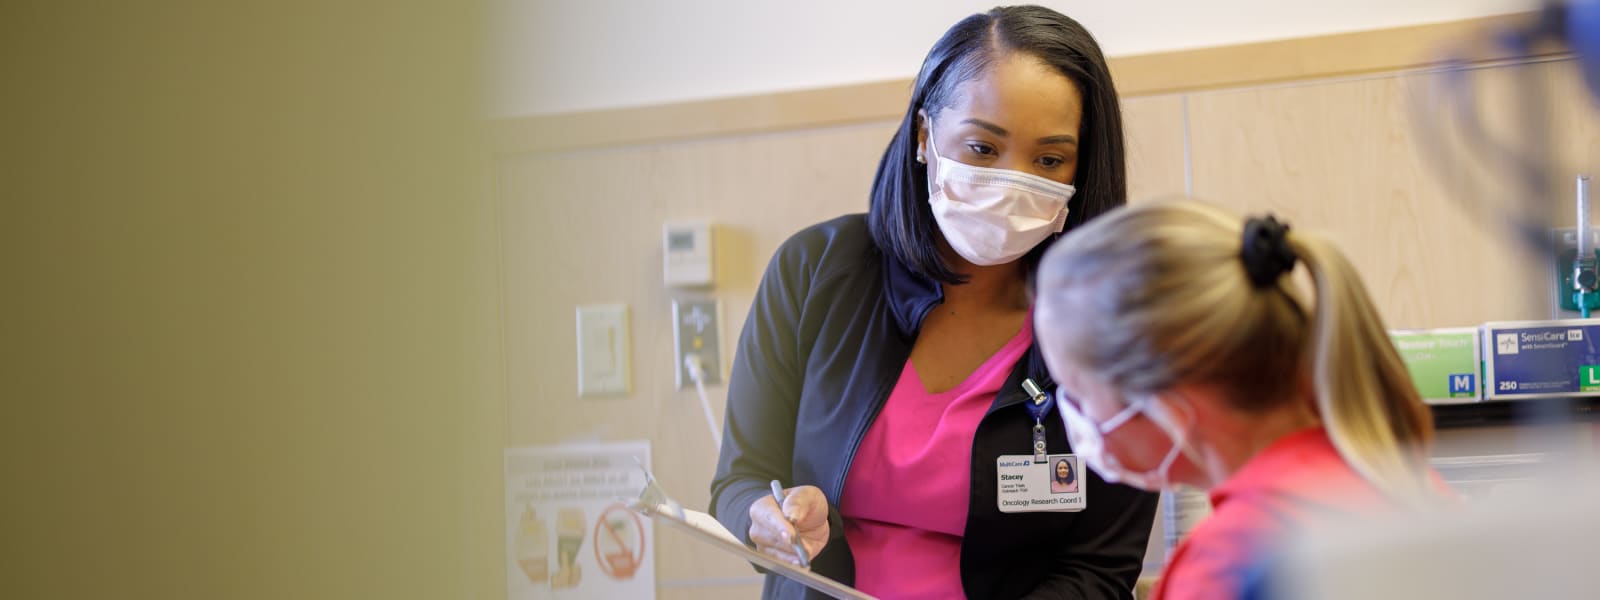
1027	485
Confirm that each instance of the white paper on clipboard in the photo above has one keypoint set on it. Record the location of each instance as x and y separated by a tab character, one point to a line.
654	503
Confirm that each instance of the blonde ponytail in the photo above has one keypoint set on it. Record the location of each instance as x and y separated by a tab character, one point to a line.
1156	294
1368	404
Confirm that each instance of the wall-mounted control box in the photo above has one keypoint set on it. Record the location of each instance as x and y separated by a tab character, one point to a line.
686	251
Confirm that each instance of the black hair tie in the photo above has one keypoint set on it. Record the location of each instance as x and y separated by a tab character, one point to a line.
1266	253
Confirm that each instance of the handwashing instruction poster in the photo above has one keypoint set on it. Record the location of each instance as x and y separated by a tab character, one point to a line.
568	533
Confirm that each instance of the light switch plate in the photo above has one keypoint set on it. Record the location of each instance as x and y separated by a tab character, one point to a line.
603	368
696	329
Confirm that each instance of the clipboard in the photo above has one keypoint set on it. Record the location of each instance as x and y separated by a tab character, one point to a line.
654	503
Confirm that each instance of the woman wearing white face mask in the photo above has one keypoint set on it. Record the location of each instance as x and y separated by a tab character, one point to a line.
1184	356
880	374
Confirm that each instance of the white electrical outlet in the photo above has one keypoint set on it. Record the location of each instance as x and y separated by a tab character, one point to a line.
696	331
603	368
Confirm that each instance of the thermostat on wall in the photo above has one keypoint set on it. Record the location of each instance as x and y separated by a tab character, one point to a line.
686	253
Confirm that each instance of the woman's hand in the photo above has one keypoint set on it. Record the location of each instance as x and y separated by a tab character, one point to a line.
804	514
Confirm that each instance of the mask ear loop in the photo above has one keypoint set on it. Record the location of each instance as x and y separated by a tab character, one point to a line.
933	146
1161	414
937	170
1123	416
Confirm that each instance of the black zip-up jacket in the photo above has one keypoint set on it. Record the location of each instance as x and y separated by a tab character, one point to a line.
828	333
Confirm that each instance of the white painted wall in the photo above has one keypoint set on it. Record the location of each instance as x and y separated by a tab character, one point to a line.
553	56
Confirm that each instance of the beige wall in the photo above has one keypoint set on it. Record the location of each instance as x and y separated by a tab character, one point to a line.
249	344
585	227
1335	155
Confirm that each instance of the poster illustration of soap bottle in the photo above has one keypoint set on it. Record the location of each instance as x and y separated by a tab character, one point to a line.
532	545
567	533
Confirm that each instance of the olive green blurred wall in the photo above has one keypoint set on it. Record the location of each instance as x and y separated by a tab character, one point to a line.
249	315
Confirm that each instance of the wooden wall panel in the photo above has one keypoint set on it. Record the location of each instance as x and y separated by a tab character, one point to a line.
1339	158
1384	50
1154	130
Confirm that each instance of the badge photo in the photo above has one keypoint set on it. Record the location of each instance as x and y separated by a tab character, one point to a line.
1051	485
1064	474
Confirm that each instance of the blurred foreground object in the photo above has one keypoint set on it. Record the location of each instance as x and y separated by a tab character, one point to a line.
1495	147
1537	543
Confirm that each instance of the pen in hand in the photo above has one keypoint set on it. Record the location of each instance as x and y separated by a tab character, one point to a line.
799	548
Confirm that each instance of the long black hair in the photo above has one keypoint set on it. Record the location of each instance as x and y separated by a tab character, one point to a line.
900	219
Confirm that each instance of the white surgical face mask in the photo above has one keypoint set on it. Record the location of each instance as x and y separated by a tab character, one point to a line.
994	216
1088	441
